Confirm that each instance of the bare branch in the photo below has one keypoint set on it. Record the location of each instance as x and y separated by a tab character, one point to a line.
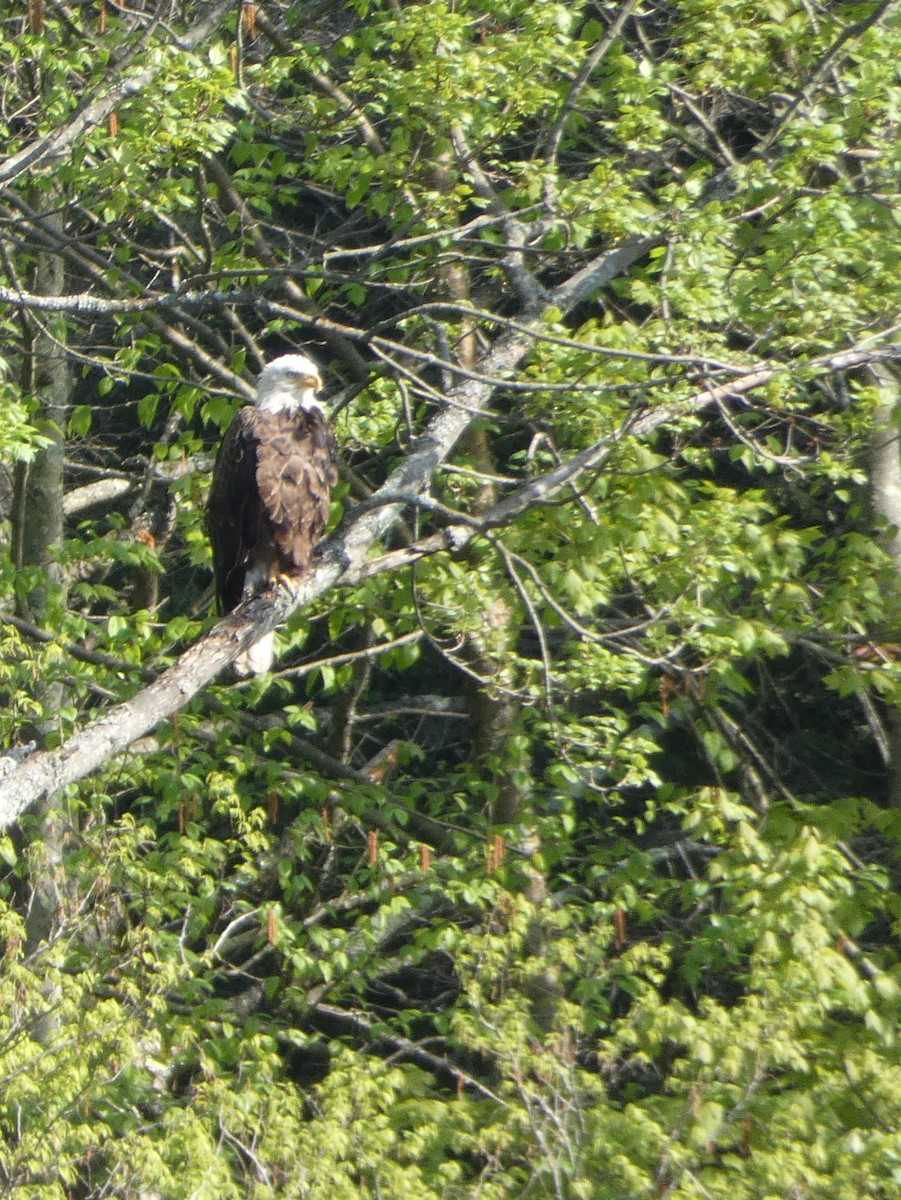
368	653
642	423
342	559
90	495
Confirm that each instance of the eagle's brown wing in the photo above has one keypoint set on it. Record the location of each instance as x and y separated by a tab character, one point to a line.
234	511
295	475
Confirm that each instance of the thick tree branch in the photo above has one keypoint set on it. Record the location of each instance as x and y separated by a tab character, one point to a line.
91	495
112	733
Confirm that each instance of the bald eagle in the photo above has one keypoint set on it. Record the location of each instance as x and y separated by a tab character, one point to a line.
272	482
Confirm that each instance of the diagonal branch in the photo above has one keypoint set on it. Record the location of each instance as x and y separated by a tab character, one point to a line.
834	53
345	553
554	138
641	423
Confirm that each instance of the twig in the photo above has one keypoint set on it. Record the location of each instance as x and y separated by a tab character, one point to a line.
552	145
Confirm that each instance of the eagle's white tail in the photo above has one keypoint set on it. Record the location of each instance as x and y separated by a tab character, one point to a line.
258	658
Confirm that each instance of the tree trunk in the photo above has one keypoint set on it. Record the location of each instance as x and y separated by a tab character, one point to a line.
38	528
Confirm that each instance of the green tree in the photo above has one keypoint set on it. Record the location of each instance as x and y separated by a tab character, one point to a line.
557	856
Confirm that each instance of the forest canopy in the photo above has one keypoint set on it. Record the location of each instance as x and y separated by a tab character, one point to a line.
558	854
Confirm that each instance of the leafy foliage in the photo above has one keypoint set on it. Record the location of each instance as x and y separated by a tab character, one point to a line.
564	865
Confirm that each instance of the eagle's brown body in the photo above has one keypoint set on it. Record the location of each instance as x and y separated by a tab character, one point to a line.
271	491
269	500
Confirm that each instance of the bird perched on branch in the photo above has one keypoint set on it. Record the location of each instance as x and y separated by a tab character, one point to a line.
269	500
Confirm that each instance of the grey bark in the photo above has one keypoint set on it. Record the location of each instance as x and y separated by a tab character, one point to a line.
38	505
885	458
92	495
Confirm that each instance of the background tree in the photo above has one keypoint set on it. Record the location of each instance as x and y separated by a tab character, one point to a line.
557	857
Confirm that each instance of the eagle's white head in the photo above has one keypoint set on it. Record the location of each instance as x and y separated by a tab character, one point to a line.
288	383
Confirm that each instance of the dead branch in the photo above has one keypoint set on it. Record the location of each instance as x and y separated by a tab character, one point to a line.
343	558
92	495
